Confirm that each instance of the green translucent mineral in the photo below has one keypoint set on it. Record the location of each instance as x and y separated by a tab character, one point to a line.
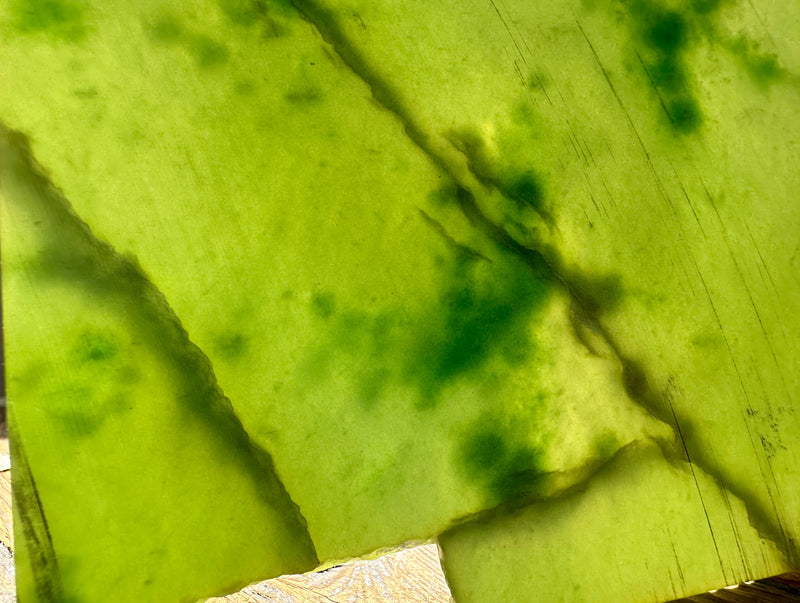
289	282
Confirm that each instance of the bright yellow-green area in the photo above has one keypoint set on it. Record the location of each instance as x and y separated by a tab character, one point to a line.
133	481
405	367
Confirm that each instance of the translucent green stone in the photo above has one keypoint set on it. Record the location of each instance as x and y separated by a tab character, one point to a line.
356	274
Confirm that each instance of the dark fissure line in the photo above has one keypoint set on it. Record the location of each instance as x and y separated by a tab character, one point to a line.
33	524
98	267
439	229
668	396
510	35
655	89
766	525
677	563
327	23
691	207
734	527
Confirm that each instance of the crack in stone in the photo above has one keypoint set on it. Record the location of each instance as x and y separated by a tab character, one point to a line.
561	485
99	268
460	248
326	23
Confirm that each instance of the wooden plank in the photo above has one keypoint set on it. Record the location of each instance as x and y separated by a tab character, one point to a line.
6	533
7	587
7	584
411	575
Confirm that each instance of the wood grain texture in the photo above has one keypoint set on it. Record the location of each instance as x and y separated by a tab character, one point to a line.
7	576
778	589
6	533
7	586
412	575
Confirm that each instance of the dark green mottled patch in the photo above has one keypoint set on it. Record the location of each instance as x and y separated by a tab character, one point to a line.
667	34
231	346
381	331
351	329
323	304
510	168
244	87
128	375
515	347
208	52
63	19
668	73
684	114
605	446
471	319
472	145
525	189
483	311
96	347
663	37
706	7
244	12
249	12
596	293
520	475
304	96
377	340
526	119
538	80
166	29
86	93
273	28
763	68
635	382
91	421
484	451
445	195
708	340
507	467
82	409
372	385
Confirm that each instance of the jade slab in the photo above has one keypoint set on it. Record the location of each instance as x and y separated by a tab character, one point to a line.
411	269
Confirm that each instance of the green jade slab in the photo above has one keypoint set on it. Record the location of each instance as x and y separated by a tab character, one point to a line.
290	282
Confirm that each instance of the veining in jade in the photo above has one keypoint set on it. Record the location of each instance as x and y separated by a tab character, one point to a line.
288	282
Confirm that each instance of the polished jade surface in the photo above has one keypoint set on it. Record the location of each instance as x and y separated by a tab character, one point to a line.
287	282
